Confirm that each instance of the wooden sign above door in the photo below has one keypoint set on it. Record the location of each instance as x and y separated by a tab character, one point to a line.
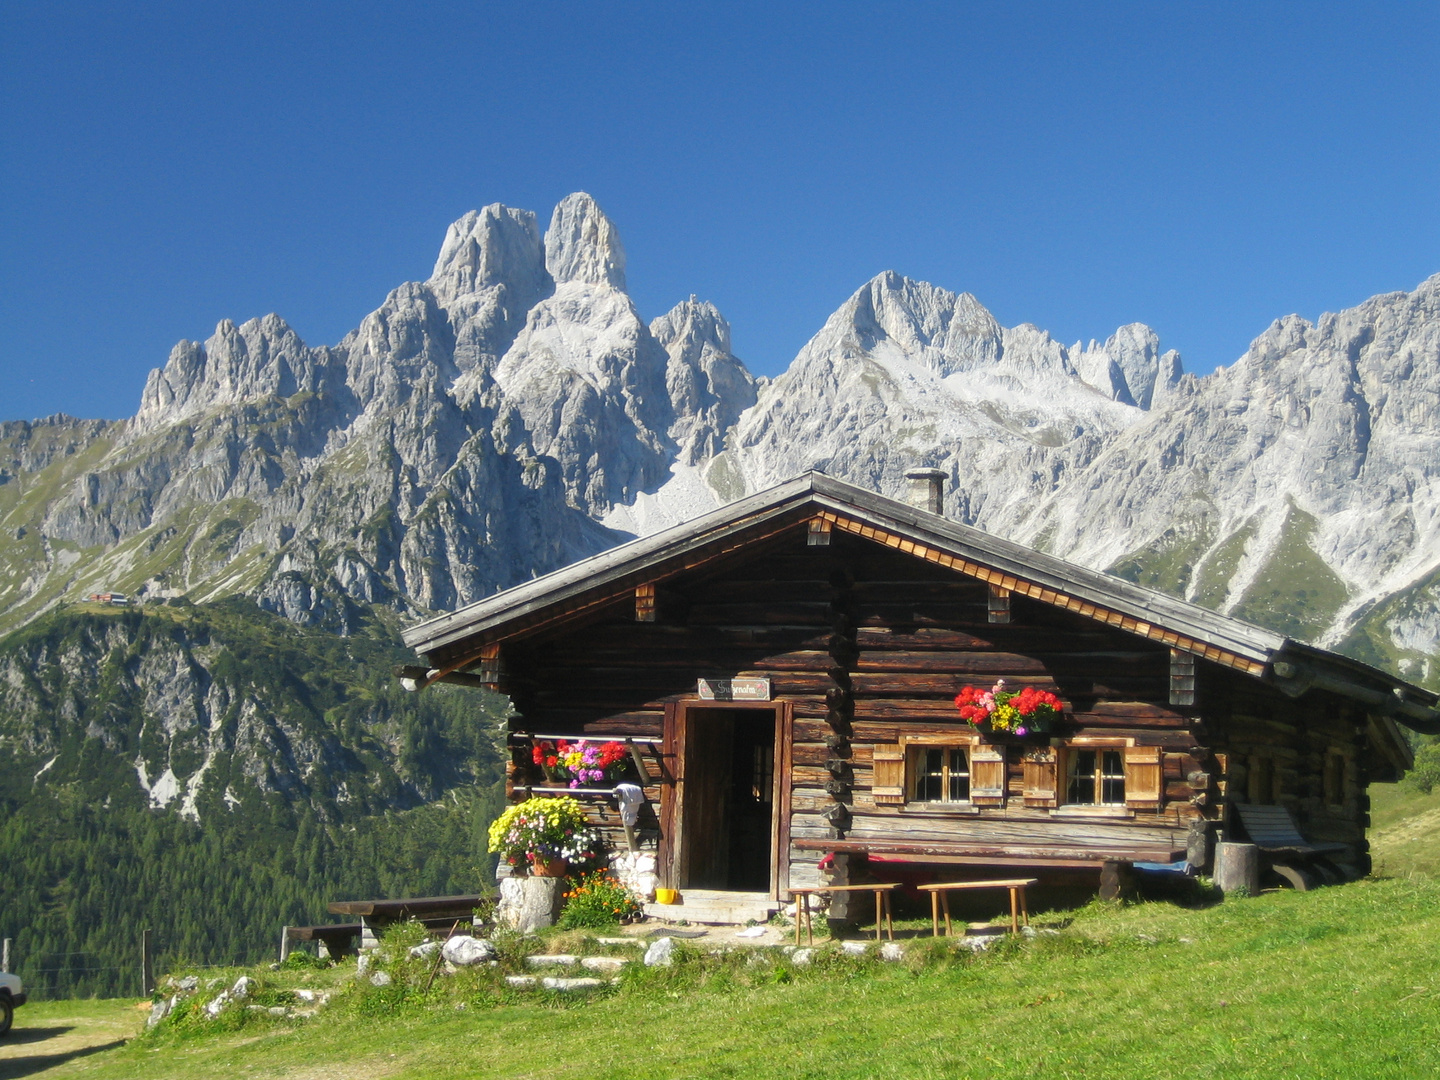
734	689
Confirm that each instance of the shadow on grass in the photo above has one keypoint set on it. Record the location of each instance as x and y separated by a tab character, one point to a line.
31	1064
20	1036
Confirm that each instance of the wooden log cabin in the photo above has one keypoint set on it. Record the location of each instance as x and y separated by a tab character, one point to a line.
787	667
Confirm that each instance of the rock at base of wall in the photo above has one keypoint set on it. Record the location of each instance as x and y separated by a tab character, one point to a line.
529	903
636	871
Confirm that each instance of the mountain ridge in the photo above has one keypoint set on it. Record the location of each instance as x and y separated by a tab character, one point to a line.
515	412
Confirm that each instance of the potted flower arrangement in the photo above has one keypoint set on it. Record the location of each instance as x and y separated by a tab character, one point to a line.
583	761
544	835
1006	712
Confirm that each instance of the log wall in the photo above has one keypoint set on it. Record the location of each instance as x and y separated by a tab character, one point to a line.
868	644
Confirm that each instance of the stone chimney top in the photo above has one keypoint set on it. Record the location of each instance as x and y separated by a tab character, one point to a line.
925	490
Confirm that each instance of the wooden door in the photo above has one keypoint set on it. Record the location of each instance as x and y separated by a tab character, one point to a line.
694	824
705	823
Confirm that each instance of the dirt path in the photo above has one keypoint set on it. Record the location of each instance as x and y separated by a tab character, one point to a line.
50	1034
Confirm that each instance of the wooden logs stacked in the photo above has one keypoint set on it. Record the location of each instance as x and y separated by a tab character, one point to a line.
840	701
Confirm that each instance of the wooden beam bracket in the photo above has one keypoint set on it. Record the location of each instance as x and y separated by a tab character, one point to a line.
1182	677
998	605
645	602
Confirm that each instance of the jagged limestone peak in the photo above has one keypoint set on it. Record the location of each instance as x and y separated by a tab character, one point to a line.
487	248
951	332
693	325
582	244
261	357
709	386
1129	367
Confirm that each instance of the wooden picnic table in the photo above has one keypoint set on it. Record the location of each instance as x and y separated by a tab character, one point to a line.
881	889
379	913
940	894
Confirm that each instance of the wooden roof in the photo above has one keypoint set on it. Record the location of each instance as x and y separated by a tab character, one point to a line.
457	640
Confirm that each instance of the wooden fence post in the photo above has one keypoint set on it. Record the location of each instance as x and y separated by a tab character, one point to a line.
147	965
284	943
5	956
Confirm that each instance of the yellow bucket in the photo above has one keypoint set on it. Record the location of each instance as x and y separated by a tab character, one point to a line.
666	896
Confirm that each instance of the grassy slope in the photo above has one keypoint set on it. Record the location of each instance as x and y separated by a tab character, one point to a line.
1334	983
1404	831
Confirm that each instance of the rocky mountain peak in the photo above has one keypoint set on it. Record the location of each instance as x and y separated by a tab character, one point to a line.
488	248
1129	367
1135	349
692	326
260	358
951	332
582	244
709	386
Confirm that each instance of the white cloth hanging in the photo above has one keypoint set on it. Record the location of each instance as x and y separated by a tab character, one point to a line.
631	798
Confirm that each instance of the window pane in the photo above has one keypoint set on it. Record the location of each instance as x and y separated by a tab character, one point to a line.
1082	777
959	776
930	779
763	774
1113	777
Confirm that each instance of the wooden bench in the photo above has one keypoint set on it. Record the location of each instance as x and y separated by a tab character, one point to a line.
1273	831
940	894
881	889
1016	854
338	938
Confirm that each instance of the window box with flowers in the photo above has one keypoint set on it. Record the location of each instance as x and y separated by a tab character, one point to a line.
581	762
1002	711
964	771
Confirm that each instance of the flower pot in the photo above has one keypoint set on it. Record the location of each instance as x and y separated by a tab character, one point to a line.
549	867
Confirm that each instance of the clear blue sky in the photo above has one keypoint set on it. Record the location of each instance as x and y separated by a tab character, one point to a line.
1202	168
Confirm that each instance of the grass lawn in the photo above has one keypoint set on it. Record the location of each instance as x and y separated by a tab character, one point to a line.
1340	982
1404	831
49	1034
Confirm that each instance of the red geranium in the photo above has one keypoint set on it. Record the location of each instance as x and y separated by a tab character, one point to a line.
1006	711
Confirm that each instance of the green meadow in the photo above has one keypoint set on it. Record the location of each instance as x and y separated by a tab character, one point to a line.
1340	982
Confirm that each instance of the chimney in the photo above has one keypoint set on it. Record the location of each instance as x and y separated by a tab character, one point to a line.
925	490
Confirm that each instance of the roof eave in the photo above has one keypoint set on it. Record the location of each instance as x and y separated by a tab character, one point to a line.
628	558
1409	704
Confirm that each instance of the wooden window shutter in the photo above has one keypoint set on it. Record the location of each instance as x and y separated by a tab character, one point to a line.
987	775
888	786
1144	776
1042	777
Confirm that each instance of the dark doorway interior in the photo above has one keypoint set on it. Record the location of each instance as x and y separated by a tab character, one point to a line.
729	798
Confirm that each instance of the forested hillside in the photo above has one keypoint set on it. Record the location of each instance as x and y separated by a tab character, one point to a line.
305	774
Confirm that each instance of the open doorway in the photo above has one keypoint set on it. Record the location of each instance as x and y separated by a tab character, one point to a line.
725	831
